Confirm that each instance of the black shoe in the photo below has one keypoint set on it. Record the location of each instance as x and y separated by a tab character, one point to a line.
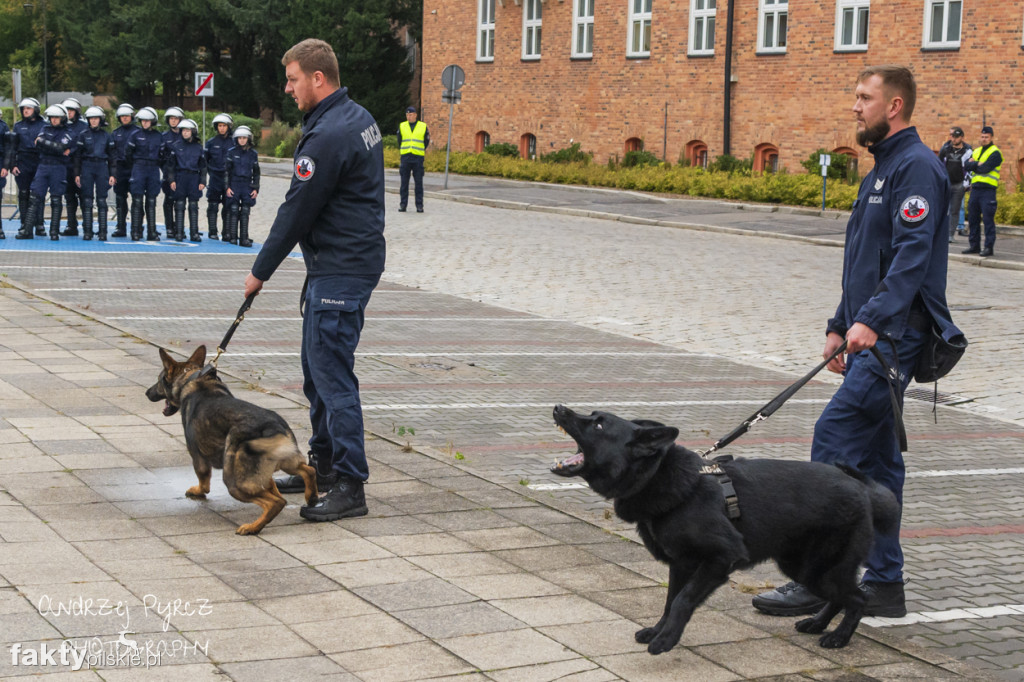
971	249
24	234
295	484
419	210
344	500
792	599
401	209
40	231
119	232
69	232
985	253
885	600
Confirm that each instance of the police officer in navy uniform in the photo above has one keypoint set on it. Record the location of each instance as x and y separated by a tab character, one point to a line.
984	166
413	140
185	170
23	162
173	118
55	143
143	156
94	171
335	211
893	295
76	126
216	149
123	172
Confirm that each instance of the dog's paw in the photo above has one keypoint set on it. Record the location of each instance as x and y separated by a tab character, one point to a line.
662	643
195	493
834	640
646	635
809	626
249	529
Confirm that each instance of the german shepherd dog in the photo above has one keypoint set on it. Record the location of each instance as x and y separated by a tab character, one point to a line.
817	521
222	432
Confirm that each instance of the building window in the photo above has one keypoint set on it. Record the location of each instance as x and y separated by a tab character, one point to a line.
483	138
942	23
583	29
852	24
528	146
531	29
485	32
766	158
697	154
772	25
634	144
702	26
639	39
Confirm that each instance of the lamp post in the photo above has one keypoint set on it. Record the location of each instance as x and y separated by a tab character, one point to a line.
46	71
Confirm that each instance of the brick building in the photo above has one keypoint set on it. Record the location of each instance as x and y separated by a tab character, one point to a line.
617	75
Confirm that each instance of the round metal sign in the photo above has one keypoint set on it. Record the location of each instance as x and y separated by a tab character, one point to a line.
453	77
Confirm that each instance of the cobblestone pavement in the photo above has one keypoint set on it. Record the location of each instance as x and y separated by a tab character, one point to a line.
488	317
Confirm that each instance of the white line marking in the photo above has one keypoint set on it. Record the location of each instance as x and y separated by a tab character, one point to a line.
490	354
557	486
965	472
369	319
623	403
947	615
234	290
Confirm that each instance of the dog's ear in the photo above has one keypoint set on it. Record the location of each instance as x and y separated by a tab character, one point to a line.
650	440
166	359
646	422
199	357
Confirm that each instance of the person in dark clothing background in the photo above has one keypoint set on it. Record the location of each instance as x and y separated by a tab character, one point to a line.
954	153
984	165
413	140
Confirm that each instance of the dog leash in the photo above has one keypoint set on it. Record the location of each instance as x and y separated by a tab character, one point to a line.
239	316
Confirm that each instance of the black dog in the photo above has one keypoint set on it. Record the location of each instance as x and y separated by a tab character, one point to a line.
816	521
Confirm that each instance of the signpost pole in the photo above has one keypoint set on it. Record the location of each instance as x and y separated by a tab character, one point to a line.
448	149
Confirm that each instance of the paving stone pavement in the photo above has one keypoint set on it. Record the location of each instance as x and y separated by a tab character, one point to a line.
485	320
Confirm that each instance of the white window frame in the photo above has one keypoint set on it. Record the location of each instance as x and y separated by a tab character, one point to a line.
855	8
775	9
639	20
532	29
945	43
485	30
582	22
702	15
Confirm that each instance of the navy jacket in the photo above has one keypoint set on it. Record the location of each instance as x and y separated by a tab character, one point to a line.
95	145
52	143
897	241
216	149
22	150
120	136
185	156
242	165
334	208
145	146
4	132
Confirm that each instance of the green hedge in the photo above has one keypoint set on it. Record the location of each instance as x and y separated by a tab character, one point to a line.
793	189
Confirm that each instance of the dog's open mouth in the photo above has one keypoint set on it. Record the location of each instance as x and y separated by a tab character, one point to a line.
169	409
569	466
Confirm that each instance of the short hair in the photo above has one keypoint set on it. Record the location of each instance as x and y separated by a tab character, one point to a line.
896	80
314	55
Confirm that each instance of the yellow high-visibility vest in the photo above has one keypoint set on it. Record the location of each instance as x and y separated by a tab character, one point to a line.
992	177
413	138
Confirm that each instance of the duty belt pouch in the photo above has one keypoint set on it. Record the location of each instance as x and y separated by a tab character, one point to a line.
939	356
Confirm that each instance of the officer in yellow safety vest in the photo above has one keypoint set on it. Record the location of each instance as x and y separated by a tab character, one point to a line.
984	163
413	140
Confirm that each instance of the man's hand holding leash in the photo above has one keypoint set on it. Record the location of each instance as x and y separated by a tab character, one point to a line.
860	337
252	285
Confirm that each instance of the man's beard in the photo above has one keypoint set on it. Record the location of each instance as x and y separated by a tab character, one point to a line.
873	134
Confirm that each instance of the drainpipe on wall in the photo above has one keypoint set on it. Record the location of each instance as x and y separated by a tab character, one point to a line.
664	137
727	104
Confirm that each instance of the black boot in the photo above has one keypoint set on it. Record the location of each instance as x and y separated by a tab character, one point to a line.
243	227
87	218
38	225
344	500
295	484
151	234
168	217
71	197
193	221
56	209
137	202
33	208
121	210
211	219
179	220
792	599
885	600
2	235
231	225
23	201
101	219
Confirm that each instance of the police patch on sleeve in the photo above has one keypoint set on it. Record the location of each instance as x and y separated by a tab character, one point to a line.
304	168
914	209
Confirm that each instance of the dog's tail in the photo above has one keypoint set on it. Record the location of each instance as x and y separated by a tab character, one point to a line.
885	510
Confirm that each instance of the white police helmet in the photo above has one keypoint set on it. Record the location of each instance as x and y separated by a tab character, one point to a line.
29	102
146	114
242	131
223	118
173	111
125	110
72	103
57	111
94	112
190	125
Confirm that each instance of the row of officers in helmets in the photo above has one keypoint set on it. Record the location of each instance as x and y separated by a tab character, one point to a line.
80	160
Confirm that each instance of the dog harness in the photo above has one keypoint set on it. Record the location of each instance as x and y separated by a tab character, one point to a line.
732	501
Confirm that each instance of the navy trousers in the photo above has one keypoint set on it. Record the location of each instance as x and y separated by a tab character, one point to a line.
982	206
335	307
857	428
410	165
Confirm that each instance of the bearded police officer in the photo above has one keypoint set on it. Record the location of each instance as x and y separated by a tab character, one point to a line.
413	140
893	294
335	211
984	166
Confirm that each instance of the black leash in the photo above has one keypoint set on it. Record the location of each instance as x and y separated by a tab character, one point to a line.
231	330
712	468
